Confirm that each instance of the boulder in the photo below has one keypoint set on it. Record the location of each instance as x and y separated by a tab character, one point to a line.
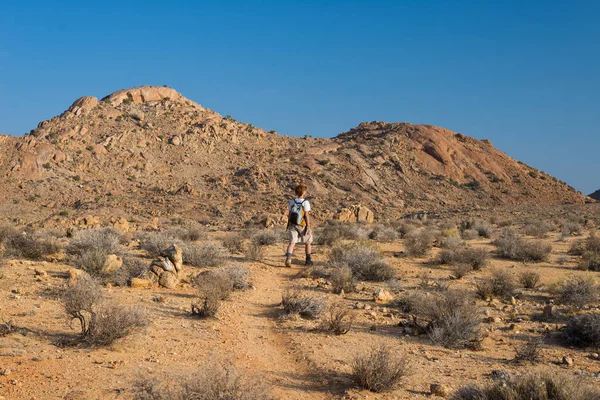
356	213
168	280
175	141
122	225
83	104
140	283
112	263
74	275
439	390
382	296
175	255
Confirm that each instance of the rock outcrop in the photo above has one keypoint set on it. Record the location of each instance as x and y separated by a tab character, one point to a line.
149	152
166	269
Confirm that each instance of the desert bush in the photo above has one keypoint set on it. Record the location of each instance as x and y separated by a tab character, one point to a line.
239	276
111	321
101	322
106	239
460	270
383	233
583	330
475	258
234	243
214	286
205	254
342	278
530	351
577	248
562	260
25	245
296	303
364	260
451	242
255	252
538	385
577	291
131	268
264	238
216	379
499	284
338	319
404	228
191	233
155	242
418	244
529	279
6	328
380	370
482	228
590	261
469	234
451	318
571	229
335	231
513	247
91	261
538	229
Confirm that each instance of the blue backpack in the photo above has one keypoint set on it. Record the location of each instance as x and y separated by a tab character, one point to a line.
297	213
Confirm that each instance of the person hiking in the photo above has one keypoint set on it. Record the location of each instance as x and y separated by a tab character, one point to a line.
298	226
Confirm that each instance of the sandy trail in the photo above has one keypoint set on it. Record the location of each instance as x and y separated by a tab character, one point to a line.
261	346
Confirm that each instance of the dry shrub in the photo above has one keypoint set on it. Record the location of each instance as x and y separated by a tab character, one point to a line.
499	284
475	258
342	278
451	242
106	239
538	385
296	303
460	270
482	228
364	260
111	321
513	247
469	234
383	233
192	233
155	242
530	351
571	229
131	268
404	228
418	244
215	286
335	231
239	276
529	279
234	243
380	370
578	291
590	261
215	380
264	238
538	229
6	328
338	319
583	331
451	318
577	248
205	254
101	322
255	252
25	244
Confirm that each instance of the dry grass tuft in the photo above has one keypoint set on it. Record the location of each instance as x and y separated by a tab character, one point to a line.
380	370
296	303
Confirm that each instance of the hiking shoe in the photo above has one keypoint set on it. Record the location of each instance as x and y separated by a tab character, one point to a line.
288	263
308	263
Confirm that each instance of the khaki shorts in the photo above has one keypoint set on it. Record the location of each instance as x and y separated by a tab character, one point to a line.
296	237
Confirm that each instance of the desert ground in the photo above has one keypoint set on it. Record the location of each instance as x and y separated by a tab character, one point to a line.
395	293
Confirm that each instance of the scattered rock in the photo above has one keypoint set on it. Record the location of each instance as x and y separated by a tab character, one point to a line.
439	390
568	361
112	263
382	296
140	283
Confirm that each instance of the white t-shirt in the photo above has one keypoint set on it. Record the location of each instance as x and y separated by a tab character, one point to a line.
306	204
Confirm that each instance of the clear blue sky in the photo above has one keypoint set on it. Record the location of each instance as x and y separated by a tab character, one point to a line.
524	74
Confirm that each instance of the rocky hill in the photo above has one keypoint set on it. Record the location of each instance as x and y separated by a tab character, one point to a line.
596	195
150	152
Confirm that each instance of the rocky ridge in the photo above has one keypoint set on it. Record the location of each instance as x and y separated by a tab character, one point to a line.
149	152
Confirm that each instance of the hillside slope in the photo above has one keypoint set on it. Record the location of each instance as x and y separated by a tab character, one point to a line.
150	152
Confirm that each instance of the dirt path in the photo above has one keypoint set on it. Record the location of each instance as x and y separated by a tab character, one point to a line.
262	347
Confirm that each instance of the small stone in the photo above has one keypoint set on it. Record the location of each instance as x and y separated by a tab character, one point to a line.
568	361
548	311
439	390
139	283
382	296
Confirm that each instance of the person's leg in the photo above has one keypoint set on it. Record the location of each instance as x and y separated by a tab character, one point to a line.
308	251
290	249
